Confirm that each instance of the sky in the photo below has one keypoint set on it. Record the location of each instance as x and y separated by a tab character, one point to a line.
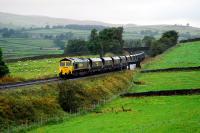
141	12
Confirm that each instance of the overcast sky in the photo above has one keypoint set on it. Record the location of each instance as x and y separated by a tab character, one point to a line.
142	12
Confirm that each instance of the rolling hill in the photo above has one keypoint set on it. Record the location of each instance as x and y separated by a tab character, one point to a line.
12	47
14	21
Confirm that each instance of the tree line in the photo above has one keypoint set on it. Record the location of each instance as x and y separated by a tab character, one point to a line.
100	42
167	40
110	40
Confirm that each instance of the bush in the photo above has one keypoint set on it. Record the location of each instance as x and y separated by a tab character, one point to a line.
23	106
76	47
156	48
167	40
3	68
70	96
76	95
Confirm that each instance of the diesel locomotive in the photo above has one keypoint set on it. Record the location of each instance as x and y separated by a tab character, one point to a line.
81	66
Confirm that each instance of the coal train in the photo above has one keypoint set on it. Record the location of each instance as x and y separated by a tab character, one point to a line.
81	66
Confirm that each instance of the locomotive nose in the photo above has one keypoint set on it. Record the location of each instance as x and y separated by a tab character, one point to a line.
66	70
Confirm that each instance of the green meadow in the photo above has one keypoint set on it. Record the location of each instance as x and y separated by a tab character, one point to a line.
36	69
21	47
83	34
182	55
166	81
151	114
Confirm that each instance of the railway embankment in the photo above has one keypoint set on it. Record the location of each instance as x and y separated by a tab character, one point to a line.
44	103
155	102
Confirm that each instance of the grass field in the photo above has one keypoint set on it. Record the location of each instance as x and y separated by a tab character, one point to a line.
151	114
83	34
22	47
34	69
129	32
167	81
182	55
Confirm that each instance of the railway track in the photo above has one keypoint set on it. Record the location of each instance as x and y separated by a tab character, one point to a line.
27	83
48	80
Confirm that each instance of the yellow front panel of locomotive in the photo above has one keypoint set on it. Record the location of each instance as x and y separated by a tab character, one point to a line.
66	70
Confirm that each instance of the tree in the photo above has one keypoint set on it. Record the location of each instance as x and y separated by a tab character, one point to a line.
156	48
47	27
148	40
70	98
3	68
75	47
93	44
59	43
169	38
8	33
107	40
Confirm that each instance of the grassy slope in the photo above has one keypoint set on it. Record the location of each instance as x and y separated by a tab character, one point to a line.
167	81
37	102
20	47
152	114
182	55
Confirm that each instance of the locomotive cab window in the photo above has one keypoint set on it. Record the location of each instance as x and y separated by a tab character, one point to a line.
65	63
68	63
62	63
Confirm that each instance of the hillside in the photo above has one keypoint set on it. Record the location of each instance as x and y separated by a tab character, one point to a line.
13	20
23	47
36	42
16	21
182	55
147	114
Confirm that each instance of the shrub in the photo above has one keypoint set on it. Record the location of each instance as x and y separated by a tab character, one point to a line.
70	96
167	40
22	106
75	95
3	68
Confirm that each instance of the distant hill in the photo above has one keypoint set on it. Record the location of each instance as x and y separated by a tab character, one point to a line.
131	31
14	21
